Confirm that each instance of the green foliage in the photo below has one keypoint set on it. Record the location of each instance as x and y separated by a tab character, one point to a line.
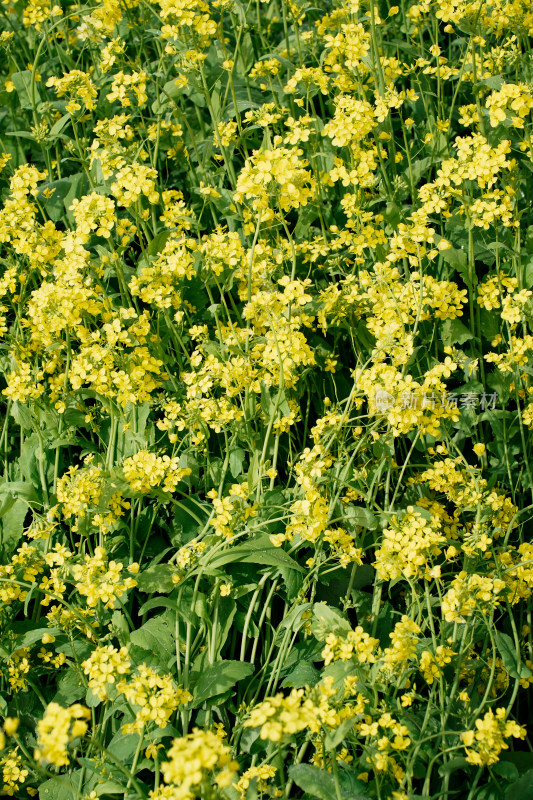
266	309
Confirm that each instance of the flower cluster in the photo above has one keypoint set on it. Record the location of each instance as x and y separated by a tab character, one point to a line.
57	729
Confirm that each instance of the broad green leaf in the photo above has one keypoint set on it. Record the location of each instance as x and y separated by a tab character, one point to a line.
522	789
28	459
224	620
455	332
7	501
156	578
66	787
459	261
22	81
334	738
12	526
70	688
506	770
339	670
490	324
328	620
92	700
156	637
459	762
304	674
123	746
159	602
292	580
58	126
34	635
256	551
236	461
307	215
110	787
17	489
351	787
154	248
218	678
528	274
357	515
419	169
510	659
60	788
313	780
52	197
22	415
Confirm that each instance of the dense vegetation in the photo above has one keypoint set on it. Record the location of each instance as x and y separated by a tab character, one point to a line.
266	365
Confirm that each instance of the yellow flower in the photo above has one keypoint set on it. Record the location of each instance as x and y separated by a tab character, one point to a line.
57	729
13	773
11	725
104	666
484	744
191	759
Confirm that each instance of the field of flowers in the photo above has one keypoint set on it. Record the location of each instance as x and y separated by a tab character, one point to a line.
266	391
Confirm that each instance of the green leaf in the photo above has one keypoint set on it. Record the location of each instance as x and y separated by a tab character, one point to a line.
455	332
92	700
61	787
313	780
339	670
22	81
334	738
76	182
459	261
351	787
328	620
510	658
6	502
28	459
109	787
490	324
54	205
157	578
32	636
22	415
522	789
190	515
161	602
154	249
12	526
293	582
58	126
306	216
236	461
226	613
304	674
459	762
18	489
528	274
256	551
419	169
70	688
218	678
506	770
493	82
22	135
156	637
123	746
357	515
